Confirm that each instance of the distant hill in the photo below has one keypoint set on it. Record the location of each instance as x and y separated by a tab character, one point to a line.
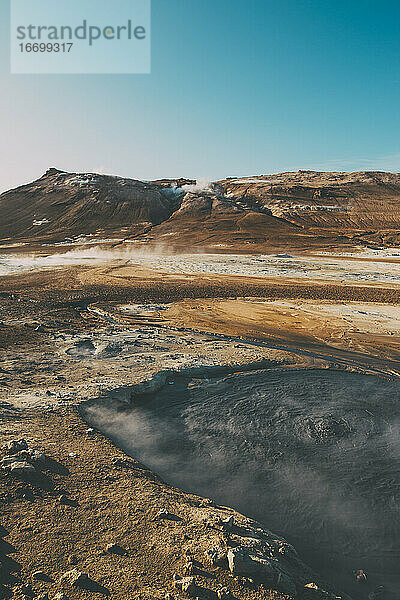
62	204
299	210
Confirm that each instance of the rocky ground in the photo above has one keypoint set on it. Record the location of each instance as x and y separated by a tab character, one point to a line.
79	517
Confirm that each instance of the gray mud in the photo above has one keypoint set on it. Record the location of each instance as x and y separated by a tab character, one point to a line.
313	455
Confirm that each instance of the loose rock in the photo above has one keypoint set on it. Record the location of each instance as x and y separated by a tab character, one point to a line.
16	446
75	577
217	557
186	584
18	467
40	576
227	524
116	549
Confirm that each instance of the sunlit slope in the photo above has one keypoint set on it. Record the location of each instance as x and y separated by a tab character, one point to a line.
300	210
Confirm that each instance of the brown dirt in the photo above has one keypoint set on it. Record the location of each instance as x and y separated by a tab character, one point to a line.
114	504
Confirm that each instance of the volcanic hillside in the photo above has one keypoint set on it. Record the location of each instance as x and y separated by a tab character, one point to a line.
306	209
60	205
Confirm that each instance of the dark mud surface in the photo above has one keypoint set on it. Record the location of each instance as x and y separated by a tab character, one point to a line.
313	455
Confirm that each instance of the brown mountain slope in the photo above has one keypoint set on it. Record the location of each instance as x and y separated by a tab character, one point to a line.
63	204
314	199
210	221
306	209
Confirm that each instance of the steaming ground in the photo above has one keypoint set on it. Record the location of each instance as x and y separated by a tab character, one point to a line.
369	268
314	455
282	266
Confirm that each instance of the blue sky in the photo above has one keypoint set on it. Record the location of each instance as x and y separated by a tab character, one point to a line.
236	88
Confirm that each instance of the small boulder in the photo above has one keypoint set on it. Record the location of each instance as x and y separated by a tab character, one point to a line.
312	586
185	584
188	586
124	463
116	549
217	557
240	562
360	576
315	592
66	501
165	515
286	585
26	494
207	502
37	458
227	524
379	593
20	468
247	581
75	577
16	446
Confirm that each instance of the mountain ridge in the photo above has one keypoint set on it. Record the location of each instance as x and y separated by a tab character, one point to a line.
303	208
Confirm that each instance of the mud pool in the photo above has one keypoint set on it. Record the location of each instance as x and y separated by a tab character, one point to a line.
313	455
